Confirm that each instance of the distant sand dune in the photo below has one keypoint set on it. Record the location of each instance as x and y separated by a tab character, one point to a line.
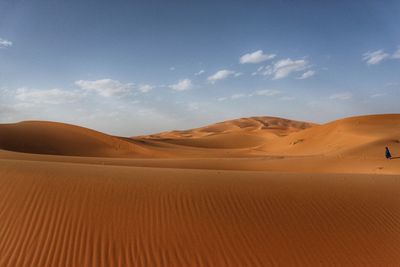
254	125
364	136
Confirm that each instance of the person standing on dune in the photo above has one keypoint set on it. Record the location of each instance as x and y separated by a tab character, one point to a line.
387	153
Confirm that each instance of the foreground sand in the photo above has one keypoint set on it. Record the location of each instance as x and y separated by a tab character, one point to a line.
258	191
72	214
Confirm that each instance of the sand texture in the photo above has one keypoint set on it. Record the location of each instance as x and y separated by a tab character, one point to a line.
259	191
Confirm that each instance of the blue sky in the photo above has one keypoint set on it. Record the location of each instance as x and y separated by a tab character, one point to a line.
136	67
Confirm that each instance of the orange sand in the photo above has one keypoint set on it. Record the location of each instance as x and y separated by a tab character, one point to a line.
250	192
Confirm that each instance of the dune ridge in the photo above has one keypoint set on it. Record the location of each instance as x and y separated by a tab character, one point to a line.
362	136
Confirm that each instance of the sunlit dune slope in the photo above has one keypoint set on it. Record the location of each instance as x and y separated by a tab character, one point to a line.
362	136
239	133
42	137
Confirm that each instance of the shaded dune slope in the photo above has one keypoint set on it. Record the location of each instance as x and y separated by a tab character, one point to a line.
40	137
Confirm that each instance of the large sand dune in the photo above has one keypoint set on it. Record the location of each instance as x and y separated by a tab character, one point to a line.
363	137
53	138
256	191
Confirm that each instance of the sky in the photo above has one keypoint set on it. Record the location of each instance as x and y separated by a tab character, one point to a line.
138	67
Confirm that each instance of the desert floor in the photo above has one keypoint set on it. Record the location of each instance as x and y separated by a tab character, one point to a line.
250	192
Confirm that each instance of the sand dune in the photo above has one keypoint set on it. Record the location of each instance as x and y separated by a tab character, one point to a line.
60	214
260	191
53	138
239	133
362	137
357	136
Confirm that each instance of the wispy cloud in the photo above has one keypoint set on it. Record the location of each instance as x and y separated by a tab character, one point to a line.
105	87
377	95
51	96
375	57
396	54
182	85
307	75
255	57
220	75
145	88
237	96
5	43
200	72
260	70
341	96
287	98
266	92
283	68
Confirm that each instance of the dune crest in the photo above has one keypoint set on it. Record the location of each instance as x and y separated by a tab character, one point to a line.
53	138
356	137
239	133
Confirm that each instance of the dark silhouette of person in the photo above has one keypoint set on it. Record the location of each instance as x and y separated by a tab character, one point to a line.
387	153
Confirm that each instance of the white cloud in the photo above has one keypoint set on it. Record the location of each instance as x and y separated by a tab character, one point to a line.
307	74
200	72
237	96
51	96
172	68
285	67
396	54
341	96
237	74
182	85
145	88
105	87
375	57
5	43
256	57
220	75
266	92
